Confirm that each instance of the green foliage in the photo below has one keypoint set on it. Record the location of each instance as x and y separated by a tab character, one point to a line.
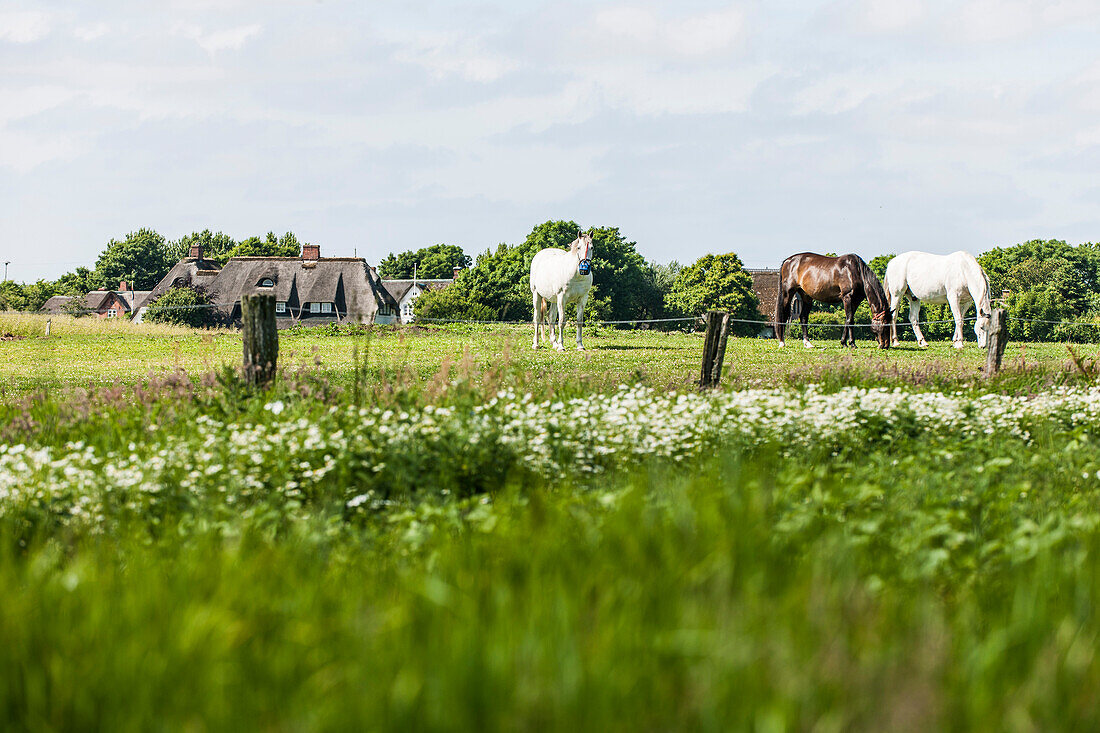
437	261
890	580
215	246
878	265
270	246
450	303
13	296
78	282
141	258
1049	280
76	307
185	306
716	282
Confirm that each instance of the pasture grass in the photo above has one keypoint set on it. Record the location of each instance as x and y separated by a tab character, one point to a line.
115	352
888	580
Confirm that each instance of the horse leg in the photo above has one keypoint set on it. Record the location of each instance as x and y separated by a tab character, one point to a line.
561	322
536	311
895	309
804	317
782	313
914	318
849	338
957	340
580	320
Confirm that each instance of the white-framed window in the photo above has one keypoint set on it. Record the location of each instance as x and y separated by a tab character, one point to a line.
111	312
407	309
280	307
326	307
314	307
267	283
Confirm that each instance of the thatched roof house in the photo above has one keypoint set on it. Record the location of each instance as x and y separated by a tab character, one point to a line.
103	303
308	290
405	292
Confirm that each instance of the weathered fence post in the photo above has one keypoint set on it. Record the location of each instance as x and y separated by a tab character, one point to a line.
998	336
261	338
714	348
48	327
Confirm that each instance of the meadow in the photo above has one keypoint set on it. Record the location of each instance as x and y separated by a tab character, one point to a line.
439	529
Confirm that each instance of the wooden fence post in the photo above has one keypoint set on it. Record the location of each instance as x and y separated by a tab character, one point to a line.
261	338
714	348
998	336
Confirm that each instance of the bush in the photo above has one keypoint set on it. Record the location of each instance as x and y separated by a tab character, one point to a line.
186	306
451	304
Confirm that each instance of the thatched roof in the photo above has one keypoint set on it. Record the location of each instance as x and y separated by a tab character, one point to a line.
347	282
55	304
399	288
188	271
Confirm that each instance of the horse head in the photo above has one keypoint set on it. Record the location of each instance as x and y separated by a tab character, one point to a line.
880	322
981	328
582	249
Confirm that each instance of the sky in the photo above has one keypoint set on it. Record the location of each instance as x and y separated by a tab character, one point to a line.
761	128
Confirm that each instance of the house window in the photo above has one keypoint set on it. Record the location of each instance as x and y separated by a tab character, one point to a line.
280	307
407	309
326	307
314	307
267	283
111	312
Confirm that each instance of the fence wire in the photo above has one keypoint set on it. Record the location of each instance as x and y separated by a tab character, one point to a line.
618	322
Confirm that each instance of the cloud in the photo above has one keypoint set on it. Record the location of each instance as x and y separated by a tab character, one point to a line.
92	31
25	26
452	54
642	30
222	40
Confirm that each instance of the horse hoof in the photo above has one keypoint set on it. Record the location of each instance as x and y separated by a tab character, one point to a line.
580	348
923	344
895	343
957	345
807	345
781	344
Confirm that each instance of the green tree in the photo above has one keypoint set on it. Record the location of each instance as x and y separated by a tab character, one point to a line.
270	246
878	265
437	261
215	246
142	257
78	282
451	303
13	296
185	306
716	282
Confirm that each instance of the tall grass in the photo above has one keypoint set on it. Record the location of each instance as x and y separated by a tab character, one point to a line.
33	325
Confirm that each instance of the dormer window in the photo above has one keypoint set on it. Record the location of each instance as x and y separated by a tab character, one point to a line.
267	283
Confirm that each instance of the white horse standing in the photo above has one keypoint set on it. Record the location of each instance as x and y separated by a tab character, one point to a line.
956	279
561	278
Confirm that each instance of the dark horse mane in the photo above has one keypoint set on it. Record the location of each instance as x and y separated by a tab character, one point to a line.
872	287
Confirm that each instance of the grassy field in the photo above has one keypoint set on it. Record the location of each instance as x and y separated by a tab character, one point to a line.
439	529
84	352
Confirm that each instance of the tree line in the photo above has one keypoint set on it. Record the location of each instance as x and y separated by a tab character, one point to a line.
142	259
1047	282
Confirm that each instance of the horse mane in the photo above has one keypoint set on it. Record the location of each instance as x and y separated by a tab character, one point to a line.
981	299
872	287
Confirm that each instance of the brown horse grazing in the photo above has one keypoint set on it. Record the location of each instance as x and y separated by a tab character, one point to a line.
846	279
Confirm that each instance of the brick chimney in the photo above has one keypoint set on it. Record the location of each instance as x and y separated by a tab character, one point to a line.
311	252
122	286
454	276
196	252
